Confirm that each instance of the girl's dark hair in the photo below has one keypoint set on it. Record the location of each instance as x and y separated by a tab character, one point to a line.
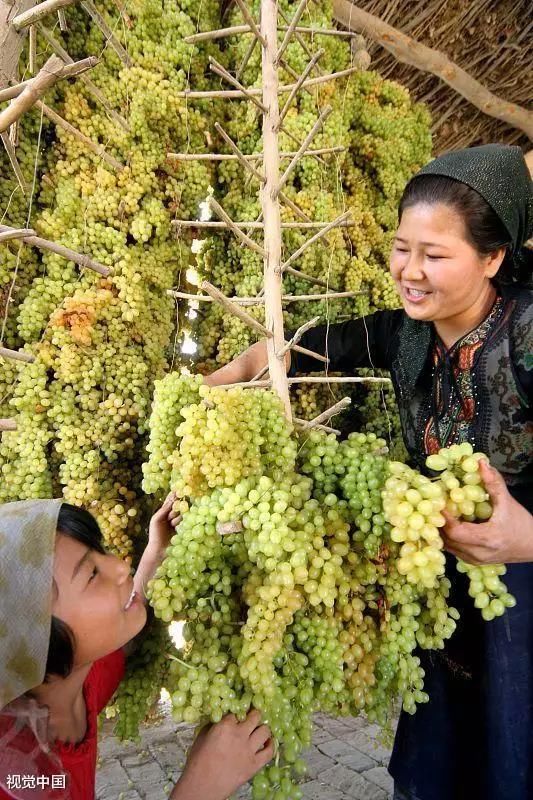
484	229
77	524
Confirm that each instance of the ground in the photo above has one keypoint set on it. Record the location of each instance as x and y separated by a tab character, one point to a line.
346	762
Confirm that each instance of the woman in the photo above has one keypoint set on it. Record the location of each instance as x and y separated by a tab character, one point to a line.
67	610
461	360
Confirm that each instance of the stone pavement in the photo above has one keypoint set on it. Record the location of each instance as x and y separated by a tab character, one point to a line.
346	762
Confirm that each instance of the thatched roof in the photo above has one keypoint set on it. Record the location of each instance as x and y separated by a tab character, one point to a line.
490	39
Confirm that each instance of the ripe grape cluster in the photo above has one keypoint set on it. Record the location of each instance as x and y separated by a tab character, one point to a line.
309	587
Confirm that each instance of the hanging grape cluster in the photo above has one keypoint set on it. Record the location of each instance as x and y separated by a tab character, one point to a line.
100	342
307	587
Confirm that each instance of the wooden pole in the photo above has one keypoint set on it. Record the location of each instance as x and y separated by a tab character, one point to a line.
8	425
409	51
60	250
235	30
16	355
273	287
249	157
238	94
38	12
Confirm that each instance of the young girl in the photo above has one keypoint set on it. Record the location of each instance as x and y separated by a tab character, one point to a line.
67	611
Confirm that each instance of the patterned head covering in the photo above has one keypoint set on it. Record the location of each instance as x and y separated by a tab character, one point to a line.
500	175
27	538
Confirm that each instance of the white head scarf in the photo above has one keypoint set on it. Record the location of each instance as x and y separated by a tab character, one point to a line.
27	538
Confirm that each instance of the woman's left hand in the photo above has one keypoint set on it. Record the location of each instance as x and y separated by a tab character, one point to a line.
505	538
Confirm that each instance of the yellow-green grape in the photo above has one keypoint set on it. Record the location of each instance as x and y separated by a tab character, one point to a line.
467	499
412	504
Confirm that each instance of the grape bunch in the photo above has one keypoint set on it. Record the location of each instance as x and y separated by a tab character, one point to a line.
458	468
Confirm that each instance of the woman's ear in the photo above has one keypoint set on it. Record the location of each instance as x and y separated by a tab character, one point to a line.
493	261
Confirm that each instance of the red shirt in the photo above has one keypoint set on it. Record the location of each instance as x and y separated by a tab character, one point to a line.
78	761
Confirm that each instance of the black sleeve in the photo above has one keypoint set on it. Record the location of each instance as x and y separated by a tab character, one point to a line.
370	341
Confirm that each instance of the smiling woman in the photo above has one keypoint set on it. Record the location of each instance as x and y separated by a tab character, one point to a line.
459	353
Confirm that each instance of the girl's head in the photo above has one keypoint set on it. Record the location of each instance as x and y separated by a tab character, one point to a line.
90	591
451	241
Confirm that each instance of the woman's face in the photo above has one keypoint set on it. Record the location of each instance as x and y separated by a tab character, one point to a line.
91	591
438	273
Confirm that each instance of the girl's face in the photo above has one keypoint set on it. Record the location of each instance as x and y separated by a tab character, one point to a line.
91	591
438	273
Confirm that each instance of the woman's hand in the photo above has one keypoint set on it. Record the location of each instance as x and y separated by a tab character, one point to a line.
505	538
224	757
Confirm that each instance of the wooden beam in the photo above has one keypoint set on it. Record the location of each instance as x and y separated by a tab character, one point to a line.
38	12
8	425
61	250
238	94
270	205
408	51
16	355
33	89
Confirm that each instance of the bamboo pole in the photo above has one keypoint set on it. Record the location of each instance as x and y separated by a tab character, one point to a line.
257	301
235	30
297	253
314	60
8	425
93	89
52	71
250	21
32	50
249	157
234	309
290	30
219	211
99	149
408	51
61	250
282	89
8	236
16	355
304	425
253	224
110	37
68	70
38	12
270	205
329	412
324	114
10	150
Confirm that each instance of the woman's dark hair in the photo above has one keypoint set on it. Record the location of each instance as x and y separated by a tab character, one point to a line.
484	229
78	524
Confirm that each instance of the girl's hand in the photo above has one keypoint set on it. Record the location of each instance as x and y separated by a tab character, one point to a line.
223	757
505	538
161	531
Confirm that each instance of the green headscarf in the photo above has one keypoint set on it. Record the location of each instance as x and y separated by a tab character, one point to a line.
500	175
27	538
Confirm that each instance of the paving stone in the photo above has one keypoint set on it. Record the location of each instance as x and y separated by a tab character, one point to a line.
351	783
335	748
315	790
366	743
169	755
111	779
380	776
108	746
317	763
137	759
334	726
355	723
358	761
148	779
320	735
